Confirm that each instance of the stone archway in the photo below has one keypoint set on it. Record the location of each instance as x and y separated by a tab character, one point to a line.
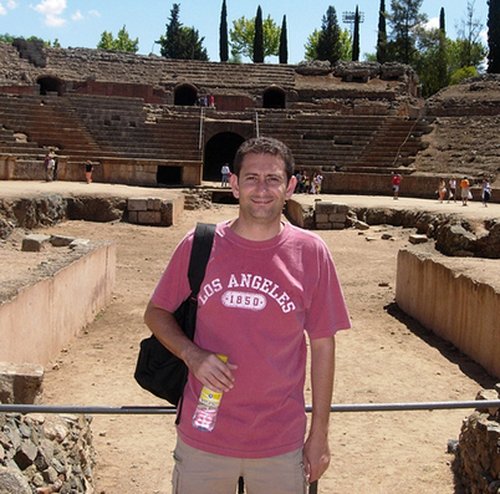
185	95
220	149
274	97
50	84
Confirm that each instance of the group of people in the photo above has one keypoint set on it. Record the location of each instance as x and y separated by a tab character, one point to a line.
450	190
208	100
307	184
50	165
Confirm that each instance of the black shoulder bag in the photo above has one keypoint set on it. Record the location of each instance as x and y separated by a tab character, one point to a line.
158	370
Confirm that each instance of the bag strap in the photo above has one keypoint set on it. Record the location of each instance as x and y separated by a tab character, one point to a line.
200	253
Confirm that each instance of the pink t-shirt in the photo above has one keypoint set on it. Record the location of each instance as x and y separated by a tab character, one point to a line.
255	303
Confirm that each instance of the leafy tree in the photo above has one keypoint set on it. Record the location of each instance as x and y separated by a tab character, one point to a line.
355	38
432	62
181	42
223	39
469	33
311	47
328	47
461	54
243	33
463	73
405	19
283	49
8	38
494	36
123	42
382	34
258	39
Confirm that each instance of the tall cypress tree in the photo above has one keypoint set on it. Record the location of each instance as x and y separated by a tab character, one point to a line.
329	47
283	53
355	37
442	23
494	36
258	40
442	56
223	40
382	34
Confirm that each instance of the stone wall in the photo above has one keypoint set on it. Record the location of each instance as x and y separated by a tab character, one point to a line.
477	460
42	318
380	184
46	454
452	299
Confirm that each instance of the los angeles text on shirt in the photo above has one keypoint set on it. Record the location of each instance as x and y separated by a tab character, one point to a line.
244	299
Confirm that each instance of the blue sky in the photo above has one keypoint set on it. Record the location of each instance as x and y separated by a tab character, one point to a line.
79	23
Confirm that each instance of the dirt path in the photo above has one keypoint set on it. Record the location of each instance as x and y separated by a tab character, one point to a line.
384	358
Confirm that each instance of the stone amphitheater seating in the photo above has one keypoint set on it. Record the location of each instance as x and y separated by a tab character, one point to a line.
92	127
348	143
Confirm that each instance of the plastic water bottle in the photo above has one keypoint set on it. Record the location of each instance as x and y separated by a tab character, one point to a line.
205	415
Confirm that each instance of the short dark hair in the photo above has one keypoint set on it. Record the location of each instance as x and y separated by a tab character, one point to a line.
265	145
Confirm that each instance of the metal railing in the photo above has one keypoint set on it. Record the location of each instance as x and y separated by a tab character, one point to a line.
171	410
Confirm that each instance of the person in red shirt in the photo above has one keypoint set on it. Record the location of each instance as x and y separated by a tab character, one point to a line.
396	182
268	286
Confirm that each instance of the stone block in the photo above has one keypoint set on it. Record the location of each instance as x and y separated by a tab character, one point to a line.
137	204
20	383
154	204
133	216
417	238
149	217
323	207
341	208
61	240
361	225
34	242
322	218
79	242
337	217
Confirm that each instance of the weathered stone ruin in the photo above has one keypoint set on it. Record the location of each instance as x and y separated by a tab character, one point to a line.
477	456
45	454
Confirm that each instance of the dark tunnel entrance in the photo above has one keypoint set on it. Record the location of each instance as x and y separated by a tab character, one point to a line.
220	149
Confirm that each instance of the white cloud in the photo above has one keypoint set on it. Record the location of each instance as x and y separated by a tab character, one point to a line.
94	13
432	23
52	10
11	4
77	16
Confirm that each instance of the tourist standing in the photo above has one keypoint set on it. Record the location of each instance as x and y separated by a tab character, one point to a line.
452	189
267	285
441	190
396	180
225	173
465	192
486	192
50	165
89	168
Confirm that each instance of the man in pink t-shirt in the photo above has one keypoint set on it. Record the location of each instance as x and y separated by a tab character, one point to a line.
267	285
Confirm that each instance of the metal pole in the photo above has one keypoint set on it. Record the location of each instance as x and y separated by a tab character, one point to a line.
170	410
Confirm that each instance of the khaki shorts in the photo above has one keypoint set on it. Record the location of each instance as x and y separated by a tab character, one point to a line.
198	472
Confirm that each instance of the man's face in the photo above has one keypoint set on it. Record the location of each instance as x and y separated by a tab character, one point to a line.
262	187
